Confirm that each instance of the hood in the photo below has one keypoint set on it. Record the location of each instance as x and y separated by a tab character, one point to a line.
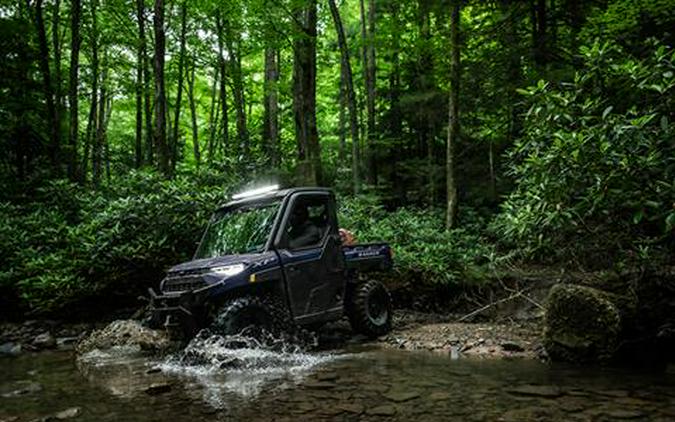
206	263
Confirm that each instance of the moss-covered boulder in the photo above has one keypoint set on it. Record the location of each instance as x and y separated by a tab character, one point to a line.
582	324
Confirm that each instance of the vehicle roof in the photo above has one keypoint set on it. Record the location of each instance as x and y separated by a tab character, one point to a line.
281	193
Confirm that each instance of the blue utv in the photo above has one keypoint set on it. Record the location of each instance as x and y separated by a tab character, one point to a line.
275	260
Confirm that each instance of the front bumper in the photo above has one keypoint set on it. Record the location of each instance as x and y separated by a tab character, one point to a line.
180	313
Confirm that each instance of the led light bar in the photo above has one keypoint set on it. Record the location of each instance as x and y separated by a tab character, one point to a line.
256	192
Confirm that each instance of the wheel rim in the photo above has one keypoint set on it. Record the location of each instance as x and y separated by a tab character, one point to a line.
376	307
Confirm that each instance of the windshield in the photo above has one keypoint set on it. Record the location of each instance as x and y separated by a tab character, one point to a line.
238	231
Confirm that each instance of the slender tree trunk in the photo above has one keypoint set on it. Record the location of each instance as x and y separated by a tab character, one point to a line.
100	130
213	111
234	51
54	141
304	96
224	142
370	98
72	89
160	94
271	115
58	78
193	111
104	137
346	71
140	58
540	32
394	99
342	124
453	118
179	92
147	88
91	131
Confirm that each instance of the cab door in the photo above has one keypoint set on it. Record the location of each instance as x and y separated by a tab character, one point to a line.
311	255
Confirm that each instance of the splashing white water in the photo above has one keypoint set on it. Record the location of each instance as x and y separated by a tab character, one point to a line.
241	365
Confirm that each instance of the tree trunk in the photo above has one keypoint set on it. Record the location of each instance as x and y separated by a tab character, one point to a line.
234	51
213	113
224	142
271	116
58	83
346	72
453	118
395	124
160	94
304	96
91	131
100	130
539	32
179	92
370	98
72	89
140	58
193	111
54	141
342	125
147	90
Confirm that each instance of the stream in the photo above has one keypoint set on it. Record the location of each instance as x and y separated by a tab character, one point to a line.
211	381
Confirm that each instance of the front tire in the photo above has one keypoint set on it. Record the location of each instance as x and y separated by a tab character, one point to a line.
250	314
370	310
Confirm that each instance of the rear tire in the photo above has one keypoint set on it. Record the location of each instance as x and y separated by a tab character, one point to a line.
369	309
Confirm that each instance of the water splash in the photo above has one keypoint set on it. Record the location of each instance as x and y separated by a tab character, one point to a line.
243	365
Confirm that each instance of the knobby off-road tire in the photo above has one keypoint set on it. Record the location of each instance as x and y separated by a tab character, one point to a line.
267	313
369	310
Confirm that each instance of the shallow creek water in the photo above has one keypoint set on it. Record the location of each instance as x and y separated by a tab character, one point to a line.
357	383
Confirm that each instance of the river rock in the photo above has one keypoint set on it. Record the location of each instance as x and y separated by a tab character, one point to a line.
401	396
547	391
68	413
386	410
512	346
157	389
44	341
10	349
124	333
22	388
582	324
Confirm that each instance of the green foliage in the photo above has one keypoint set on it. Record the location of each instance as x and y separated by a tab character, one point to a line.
423	250
595	168
73	243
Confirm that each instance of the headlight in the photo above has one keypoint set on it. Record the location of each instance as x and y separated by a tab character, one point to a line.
228	270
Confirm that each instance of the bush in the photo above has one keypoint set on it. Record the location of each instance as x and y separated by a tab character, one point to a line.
72	243
424	250
595	168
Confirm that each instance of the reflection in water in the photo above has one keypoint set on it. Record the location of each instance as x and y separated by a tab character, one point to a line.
210	381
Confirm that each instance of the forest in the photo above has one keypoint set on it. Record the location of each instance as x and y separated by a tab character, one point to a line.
474	136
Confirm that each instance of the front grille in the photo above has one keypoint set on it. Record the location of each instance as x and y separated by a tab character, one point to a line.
185	283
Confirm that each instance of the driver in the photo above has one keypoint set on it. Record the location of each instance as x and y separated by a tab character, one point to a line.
303	231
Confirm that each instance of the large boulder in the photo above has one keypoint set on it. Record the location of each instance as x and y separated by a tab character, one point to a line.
582	324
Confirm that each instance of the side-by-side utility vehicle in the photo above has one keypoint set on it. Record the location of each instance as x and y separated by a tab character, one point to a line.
275	259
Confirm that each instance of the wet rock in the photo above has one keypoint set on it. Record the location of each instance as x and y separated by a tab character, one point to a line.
512	346
625	414
401	396
10	419
154	370
68	413
22	388
386	410
547	391
582	324
66	342
319	385
440	396
44	341
124	333
157	389
351	408
327	376
10	349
